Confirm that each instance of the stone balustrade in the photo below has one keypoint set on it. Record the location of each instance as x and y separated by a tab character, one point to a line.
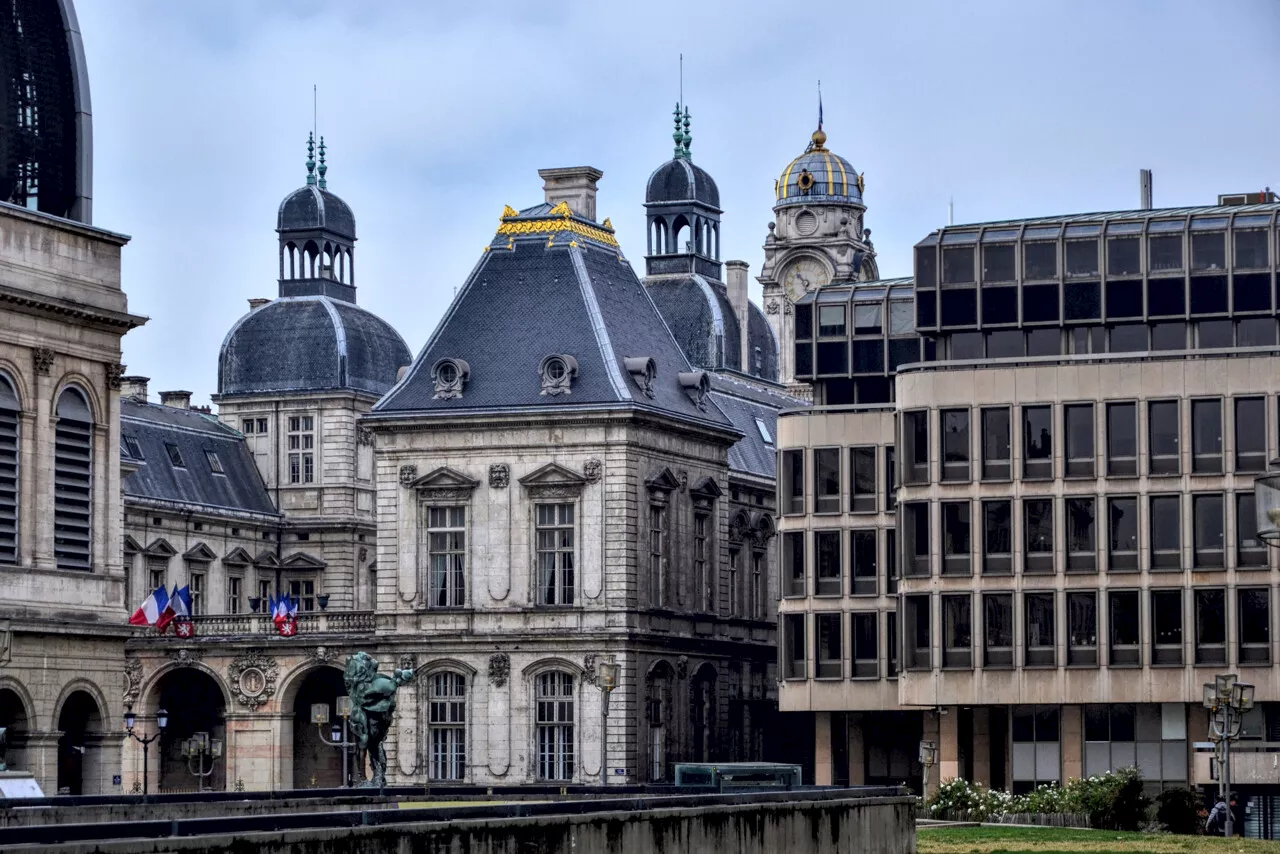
311	623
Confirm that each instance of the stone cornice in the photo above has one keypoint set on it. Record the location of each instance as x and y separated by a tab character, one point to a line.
27	302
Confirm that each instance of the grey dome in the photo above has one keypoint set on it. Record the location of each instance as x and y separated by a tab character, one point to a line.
310	343
310	208
819	175
679	180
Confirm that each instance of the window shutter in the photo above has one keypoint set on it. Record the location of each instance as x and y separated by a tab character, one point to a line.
8	473
72	468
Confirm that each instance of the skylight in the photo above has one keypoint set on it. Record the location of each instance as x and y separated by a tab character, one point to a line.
764	432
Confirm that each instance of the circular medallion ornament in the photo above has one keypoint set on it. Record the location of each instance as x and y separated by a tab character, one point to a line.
252	682
805	181
253	678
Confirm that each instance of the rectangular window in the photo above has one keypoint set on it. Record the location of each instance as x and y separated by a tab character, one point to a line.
1037	750
830	320
1037	442
1251	249
157	572
1206	436
555	721
828	644
792	499
235	594
1209	251
915	441
1082	258
1123	256
301	441
1038	529
1211	626
793	572
1122	439
1040	630
246	426
1254	624
1166	532
447	556
955	444
1164	253
759	587
826	549
995	444
891	560
862	473
890	484
997	538
1251	434
1250	551
1122	532
955	538
1082	541
303	591
862	553
554	536
195	585
1126	633
997	630
793	644
866	653
1082	628
215	464
1078	426
918	634
916	517
826	480
1166	626
891	651
447	726
998	263
957	265
957	632
1210	525
702	564
264	593
1040	260
735	556
1165	429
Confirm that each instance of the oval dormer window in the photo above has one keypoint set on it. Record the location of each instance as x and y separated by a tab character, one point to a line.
558	372
450	375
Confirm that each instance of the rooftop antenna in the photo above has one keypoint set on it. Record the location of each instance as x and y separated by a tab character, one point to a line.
682	79
951	211
819	105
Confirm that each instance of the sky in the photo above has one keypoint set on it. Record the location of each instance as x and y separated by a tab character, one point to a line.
437	115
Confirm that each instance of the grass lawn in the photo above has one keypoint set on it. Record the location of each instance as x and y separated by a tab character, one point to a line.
1054	840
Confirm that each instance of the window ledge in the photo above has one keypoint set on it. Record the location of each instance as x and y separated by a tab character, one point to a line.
1125	666
1082	666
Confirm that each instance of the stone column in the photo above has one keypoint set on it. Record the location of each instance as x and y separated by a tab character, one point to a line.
42	760
1072	735
981	745
857	751
259	750
823	772
949	744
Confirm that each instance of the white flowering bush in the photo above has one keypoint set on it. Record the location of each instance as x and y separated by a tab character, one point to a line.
1112	800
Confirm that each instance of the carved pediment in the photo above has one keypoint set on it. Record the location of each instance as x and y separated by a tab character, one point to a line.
238	557
706	488
444	484
266	558
302	560
160	548
131	546
200	553
553	481
662	480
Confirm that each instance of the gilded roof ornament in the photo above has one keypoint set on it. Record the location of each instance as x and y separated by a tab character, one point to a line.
553	227
862	182
608	223
508	211
561	209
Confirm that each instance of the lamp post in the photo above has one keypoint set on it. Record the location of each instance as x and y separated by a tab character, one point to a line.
130	720
338	732
195	749
928	757
1227	699
608	676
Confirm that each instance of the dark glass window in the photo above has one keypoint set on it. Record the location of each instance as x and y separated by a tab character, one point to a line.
1044	342
1166	626
1256	332
965	346
1122	439
868	319
804	321
902	317
1040	637
1082	542
862	552
833	357
1211	626
1165	428
955	537
891	648
1082	300
1254	625
1251	434
997	263
999	306
997	538
957	265
1122	256
1206	436
1251	292
1089	339
1006	344
890	478
1209	250
1039	303
830	320
1040	260
793	640
915	440
827	568
995	443
1129	338
891	560
1166	296
997	630
1214	334
1124	299
1038	526
1082	628
957	631
868	356
955	444
829	645
1251	250
1169	336
960	307
1122	524
862	468
1078	423
903	351
1082	258
1250	551
1126	628
917	639
793	481
804	359
1166	531
927	267
793	571
916	517
1210	527
826	480
866	653
1165	252
1037	442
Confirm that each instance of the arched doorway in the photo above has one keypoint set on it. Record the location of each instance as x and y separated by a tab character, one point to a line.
658	707
704	714
195	704
79	746
316	764
13	717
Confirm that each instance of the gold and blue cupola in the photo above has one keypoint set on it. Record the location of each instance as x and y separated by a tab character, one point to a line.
819	175
682	211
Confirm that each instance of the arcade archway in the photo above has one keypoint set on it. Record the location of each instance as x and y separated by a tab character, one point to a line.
196	705
80	745
316	764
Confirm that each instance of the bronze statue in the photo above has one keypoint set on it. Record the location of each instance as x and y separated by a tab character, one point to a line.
373	703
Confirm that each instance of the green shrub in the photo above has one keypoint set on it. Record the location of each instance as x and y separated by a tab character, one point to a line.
1111	801
1178	810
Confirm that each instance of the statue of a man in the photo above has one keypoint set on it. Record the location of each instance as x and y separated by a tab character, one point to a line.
373	703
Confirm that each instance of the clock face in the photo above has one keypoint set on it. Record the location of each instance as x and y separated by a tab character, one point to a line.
804	275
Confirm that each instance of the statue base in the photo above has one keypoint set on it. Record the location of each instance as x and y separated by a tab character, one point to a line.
19	784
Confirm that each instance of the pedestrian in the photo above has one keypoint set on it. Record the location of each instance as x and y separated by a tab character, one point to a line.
1216	823
1237	815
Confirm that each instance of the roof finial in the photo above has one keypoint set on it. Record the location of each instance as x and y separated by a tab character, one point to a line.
678	136
323	167
688	138
311	158
819	135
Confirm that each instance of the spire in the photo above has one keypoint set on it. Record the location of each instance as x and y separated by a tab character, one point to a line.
687	137
819	136
311	158
323	168
678	136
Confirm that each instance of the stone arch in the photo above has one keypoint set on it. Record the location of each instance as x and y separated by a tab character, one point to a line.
437	664
446	718
88	687
313	763
81	724
83	385
17	711
681	229
10	372
552	663
287	691
660	733
197	700
704	713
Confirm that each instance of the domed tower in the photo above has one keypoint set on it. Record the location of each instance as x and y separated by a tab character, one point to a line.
715	323
817	236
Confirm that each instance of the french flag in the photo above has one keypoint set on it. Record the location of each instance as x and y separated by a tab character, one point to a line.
152	608
179	606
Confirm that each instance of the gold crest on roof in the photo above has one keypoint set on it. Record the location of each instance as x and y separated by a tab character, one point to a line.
561	209
508	211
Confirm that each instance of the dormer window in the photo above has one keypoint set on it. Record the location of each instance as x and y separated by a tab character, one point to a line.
450	376
697	385
764	431
132	447
558	373
215	464
175	455
644	370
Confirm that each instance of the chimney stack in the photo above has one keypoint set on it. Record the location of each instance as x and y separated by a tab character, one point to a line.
736	282
575	185
1144	188
134	387
176	399
257	302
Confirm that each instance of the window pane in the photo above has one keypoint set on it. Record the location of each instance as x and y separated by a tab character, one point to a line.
1209	250
1255	618
826	545
1251	249
830	320
793	481
916	440
902	318
1123	527
1251	434
957	265
862	464
1037	423
1211	617
957	636
997	532
1079	430
829	646
1209	535
955	533
1040	260
1082	257
1082	619
1039	524
1206	435
1163	418
1122	438
1122	256
1165	252
997	263
1125	628
793	570
955	444
1165	526
995	443
1040	629
1080	525
826	480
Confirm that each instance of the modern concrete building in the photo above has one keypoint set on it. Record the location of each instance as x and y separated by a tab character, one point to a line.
1042	543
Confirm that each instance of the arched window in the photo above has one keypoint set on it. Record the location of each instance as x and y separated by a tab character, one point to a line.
72	477
447	725
555	716
9	410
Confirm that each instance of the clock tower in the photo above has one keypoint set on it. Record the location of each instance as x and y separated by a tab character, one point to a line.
817	237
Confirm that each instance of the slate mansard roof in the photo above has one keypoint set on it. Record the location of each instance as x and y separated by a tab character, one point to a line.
311	343
751	406
151	428
310	208
552	283
703	321
680	180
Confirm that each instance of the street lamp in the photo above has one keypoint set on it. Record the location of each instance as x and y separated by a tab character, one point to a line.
130	719
928	758
195	749
338	732
1266	501
1227	699
608	678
